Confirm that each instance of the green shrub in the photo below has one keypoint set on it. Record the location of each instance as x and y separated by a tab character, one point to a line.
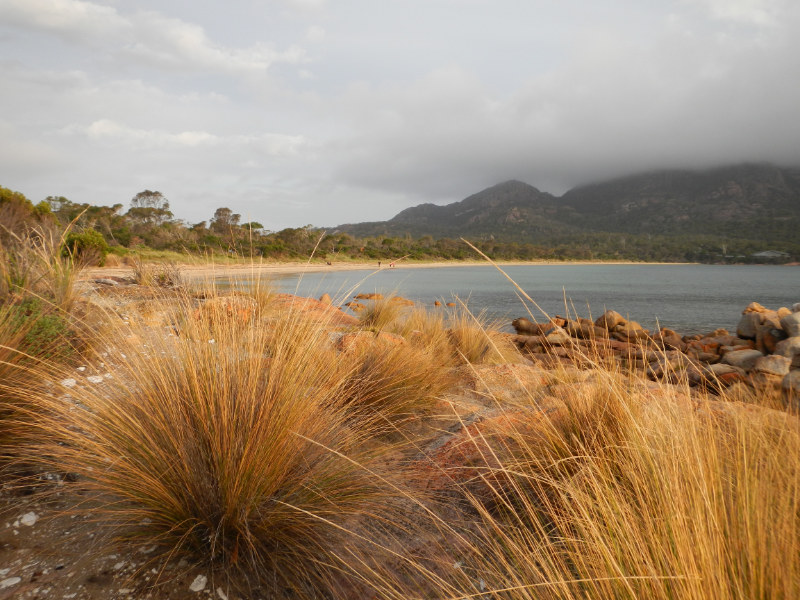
87	247
46	334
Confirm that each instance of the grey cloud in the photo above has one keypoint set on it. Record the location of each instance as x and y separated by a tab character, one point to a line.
682	100
298	111
147	36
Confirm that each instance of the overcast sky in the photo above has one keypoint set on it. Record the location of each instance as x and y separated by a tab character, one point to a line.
295	112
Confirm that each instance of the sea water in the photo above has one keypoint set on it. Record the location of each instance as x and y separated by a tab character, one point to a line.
687	298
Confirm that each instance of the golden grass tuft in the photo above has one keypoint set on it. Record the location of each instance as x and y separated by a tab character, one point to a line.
395	382
229	449
476	341
380	313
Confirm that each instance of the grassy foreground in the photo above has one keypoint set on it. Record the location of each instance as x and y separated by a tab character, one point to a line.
297	454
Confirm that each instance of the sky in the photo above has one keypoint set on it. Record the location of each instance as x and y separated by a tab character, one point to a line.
323	112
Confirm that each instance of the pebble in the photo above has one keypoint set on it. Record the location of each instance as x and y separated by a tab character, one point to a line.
199	583
29	519
68	382
9	582
222	595
95	379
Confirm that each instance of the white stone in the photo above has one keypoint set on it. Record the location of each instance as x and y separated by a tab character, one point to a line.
95	379
6	583
222	595
29	519
68	382
199	583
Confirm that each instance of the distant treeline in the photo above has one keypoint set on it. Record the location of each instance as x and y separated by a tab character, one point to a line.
149	223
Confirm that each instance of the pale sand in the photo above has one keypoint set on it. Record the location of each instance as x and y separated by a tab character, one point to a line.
212	271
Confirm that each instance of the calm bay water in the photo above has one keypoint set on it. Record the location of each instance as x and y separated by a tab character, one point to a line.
688	298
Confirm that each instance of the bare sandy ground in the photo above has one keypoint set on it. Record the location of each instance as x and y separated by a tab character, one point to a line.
215	271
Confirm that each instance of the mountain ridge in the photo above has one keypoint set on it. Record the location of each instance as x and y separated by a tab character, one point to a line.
746	200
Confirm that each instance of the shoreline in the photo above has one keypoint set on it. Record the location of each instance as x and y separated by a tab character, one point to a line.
215	271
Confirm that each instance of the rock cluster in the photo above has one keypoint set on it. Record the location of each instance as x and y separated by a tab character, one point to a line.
763	353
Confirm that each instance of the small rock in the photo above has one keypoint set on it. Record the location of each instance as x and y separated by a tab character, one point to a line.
29	519
791	324
754	307
744	359
609	320
199	583
95	379
69	382
221	595
748	325
557	336
6	583
774	365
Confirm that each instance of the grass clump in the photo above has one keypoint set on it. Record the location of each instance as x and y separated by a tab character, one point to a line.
380	313
164	274
395	382
626	492
228	449
32	264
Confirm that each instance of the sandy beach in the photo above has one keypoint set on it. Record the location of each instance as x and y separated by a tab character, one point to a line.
195	272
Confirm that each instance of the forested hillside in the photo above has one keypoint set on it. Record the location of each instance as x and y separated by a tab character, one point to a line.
747	213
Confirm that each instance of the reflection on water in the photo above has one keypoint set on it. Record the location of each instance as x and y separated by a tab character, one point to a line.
684	297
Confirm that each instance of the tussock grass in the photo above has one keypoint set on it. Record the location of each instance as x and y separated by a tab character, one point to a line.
396	382
476	341
660	502
229	449
15	376
162	274
381	313
627	492
464	337
37	328
33	262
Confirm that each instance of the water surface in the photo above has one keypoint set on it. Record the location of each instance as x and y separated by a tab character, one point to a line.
688	298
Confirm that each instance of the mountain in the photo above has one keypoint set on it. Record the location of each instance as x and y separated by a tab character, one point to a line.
739	201
513	210
748	201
